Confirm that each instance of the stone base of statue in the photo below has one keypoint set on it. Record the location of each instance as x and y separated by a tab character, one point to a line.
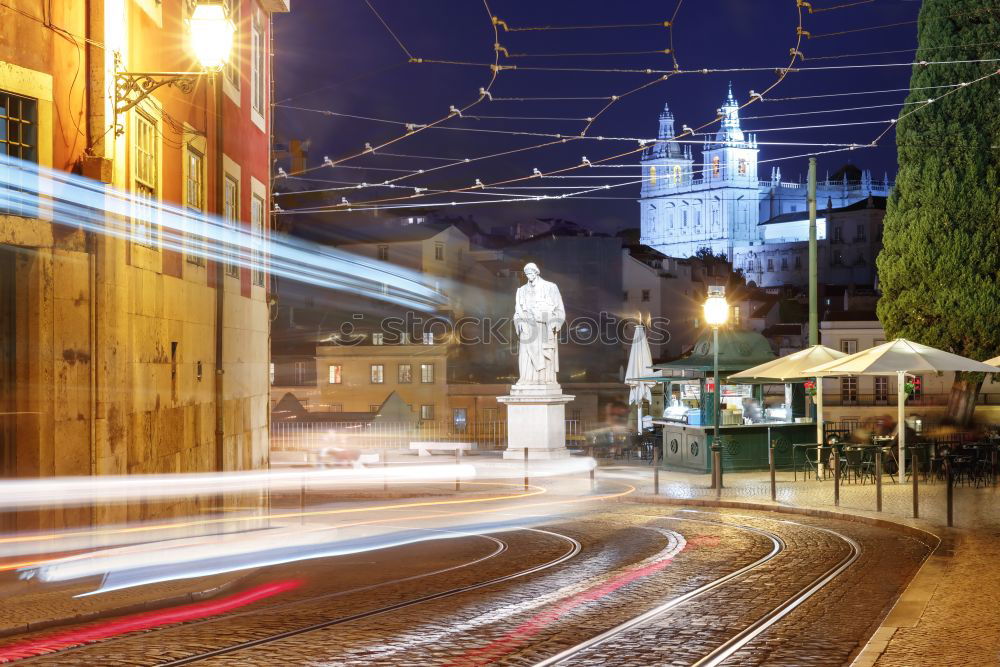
536	421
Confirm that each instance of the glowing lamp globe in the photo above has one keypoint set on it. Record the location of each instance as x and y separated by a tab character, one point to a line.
211	35
716	307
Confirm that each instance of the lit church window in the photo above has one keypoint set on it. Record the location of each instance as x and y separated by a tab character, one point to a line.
715	166
652	175
677	174
743	167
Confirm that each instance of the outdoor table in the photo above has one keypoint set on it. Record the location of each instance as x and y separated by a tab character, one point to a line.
871	448
805	447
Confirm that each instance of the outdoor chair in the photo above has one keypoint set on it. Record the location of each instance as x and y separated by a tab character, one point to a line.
809	463
856	465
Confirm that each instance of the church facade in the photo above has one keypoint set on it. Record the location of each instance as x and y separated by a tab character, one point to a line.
719	202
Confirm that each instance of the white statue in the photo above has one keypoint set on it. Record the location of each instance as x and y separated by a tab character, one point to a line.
538	316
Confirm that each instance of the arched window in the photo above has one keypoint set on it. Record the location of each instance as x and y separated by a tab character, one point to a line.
715	165
677	174
652	175
743	167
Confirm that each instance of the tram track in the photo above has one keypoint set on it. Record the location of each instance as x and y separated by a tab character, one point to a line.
725	650
575	548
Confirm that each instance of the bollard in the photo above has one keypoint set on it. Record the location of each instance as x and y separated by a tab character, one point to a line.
717	470
458	462
951	483
878	480
915	473
656	471
302	502
836	476
770	464
590	453
525	468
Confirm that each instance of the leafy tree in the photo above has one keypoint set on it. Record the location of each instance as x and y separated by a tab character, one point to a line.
939	269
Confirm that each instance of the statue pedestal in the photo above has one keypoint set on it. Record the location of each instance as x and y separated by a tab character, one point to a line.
536	421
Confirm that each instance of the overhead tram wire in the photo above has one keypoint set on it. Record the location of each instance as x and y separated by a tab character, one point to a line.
386	25
485	93
534	198
507	28
495	69
782	73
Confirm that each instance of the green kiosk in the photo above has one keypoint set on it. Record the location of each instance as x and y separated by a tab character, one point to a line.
749	419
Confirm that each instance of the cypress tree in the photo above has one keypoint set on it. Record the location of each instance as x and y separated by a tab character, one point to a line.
939	268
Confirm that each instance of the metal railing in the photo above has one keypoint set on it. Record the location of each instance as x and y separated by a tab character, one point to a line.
290	435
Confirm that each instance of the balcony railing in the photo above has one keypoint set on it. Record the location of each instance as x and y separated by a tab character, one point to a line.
868	400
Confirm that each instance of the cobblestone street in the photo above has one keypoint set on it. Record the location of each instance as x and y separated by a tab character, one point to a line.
373	607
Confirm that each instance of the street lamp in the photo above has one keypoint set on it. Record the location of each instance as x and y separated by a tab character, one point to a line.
211	34
716	314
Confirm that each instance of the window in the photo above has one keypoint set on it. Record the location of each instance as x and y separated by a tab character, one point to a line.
490	414
849	390
231	216
784	263
428	338
257	86
427	412
677	174
860	234
715	166
378	374
652	175
271	372
383	253
404	374
194	181
427	373
374	408
232	67
736	314
194	199
881	390
770	264
645	295
918	386
257	239
146	230
334	373
838	234
336	407
460	417
439	252
848	346
798	262
742	167
300	372
378	339
575	414
838	258
18	139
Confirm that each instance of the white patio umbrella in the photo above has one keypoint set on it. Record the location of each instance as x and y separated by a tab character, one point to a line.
995	361
640	365
898	358
792	367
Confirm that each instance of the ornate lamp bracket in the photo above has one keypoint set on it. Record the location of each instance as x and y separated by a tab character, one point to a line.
131	88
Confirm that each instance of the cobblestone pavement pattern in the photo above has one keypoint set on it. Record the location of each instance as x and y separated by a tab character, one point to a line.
514	627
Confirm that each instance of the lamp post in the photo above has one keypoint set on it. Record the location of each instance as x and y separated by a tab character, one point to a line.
716	314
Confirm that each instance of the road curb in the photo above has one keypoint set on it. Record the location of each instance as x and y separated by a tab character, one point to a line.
149	605
906	610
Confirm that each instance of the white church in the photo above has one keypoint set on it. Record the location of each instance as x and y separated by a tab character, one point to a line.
720	203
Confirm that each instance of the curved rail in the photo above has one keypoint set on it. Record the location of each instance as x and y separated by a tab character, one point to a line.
573	551
778	545
748	634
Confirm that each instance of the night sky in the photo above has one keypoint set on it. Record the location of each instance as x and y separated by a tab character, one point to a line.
336	55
